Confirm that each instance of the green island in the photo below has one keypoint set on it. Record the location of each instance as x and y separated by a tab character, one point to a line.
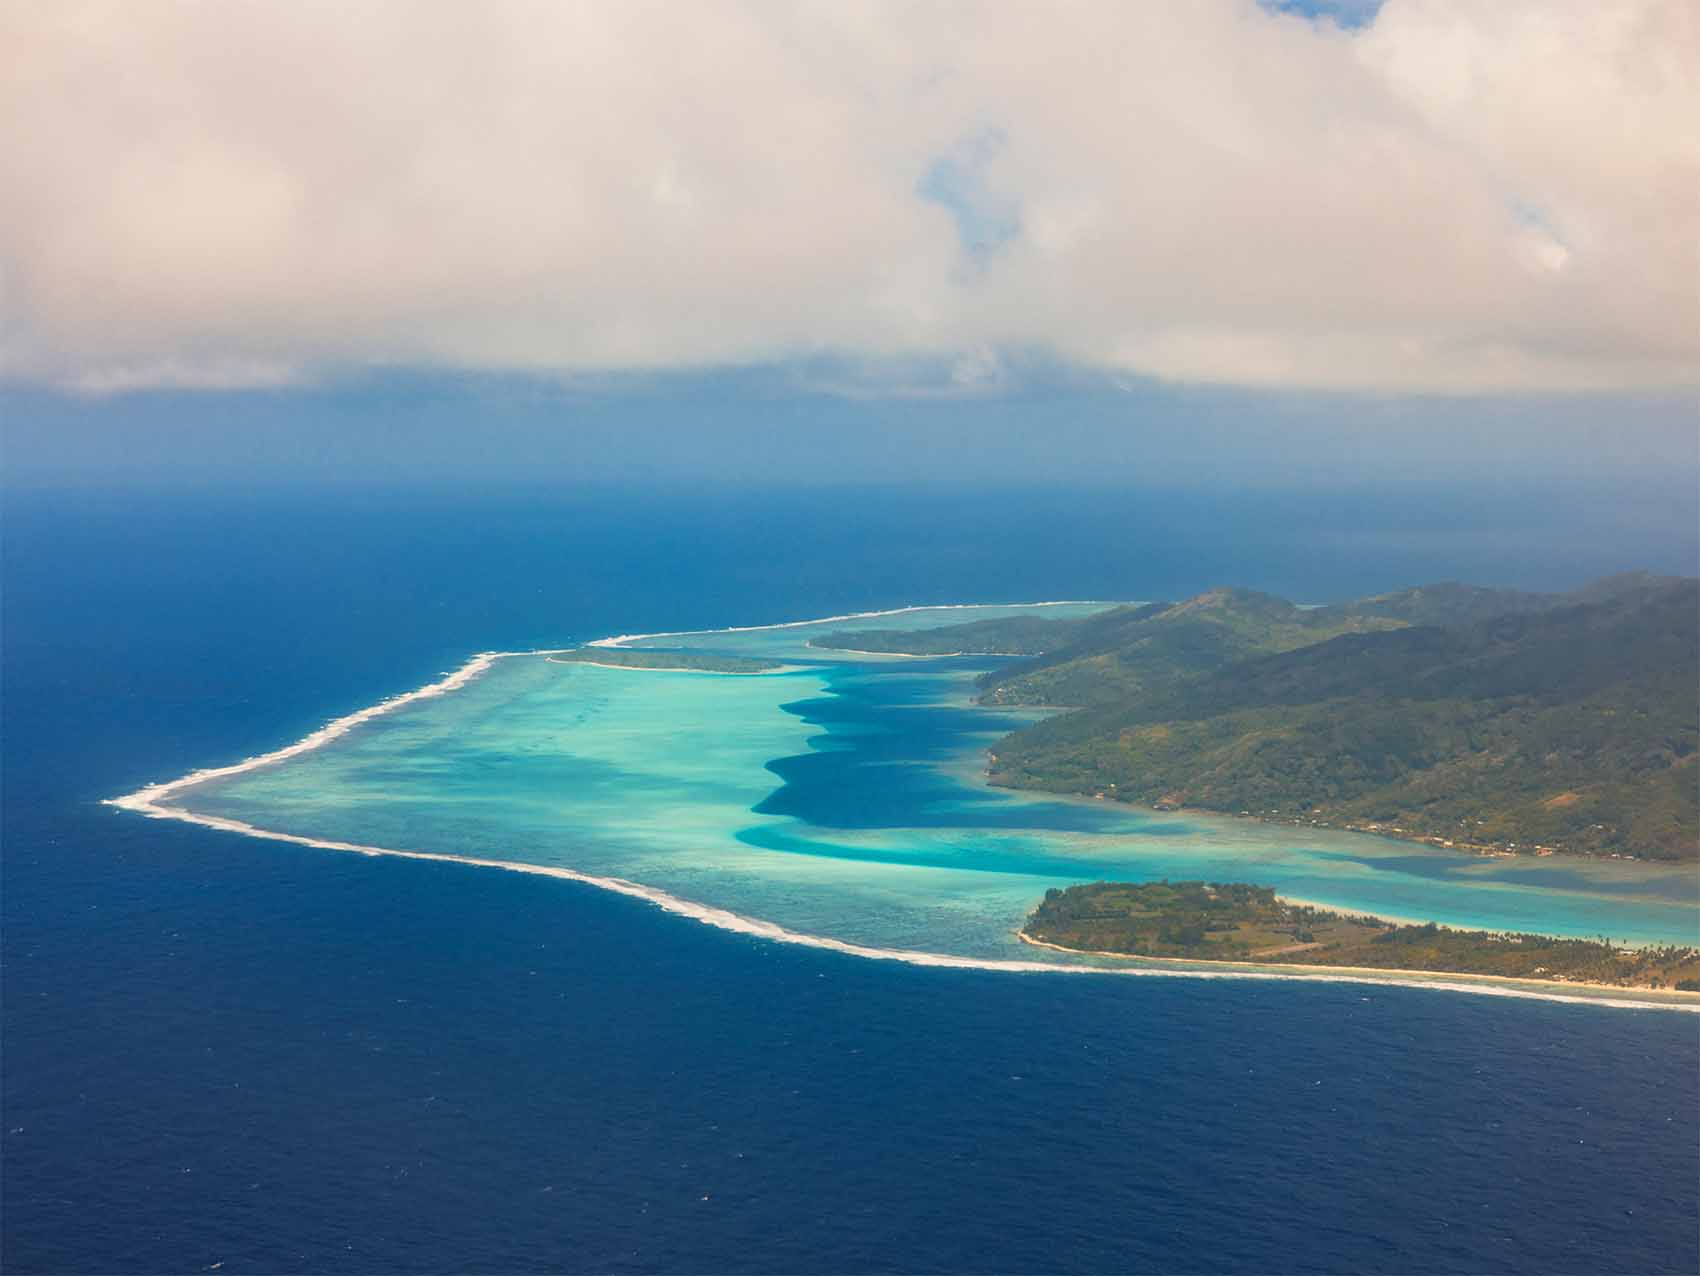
1496	721
649	658
1235	921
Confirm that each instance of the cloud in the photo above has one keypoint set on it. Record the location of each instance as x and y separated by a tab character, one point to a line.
1451	197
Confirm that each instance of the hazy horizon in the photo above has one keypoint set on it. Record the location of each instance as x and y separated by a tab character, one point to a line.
1220	245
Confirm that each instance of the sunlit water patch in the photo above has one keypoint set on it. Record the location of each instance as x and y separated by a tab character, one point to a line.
844	800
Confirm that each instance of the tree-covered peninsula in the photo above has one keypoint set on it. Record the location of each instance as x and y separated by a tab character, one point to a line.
1484	719
1235	921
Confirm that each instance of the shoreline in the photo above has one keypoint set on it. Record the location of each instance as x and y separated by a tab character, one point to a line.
1669	998
152	801
1481	850
476	664
1478	850
725	919
1203	815
147	798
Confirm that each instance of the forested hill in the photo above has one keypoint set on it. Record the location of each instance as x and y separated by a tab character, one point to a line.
1123	654
1199	632
1558	721
1126	652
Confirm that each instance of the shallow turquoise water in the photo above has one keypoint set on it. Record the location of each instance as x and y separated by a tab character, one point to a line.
845	800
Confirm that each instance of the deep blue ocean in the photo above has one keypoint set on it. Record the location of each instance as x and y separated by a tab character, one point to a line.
233	1054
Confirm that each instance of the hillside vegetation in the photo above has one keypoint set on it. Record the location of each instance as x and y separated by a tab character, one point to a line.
1481	718
1122	653
1236	921
1572	728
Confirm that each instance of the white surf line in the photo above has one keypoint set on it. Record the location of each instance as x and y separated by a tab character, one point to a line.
618	640
149	795
151	801
148	799
724	919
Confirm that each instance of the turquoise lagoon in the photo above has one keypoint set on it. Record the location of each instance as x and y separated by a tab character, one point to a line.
842	798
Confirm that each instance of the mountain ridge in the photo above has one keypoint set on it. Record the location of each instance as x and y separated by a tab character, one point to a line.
1555	724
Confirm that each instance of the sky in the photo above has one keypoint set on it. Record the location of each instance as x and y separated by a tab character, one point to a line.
1084	240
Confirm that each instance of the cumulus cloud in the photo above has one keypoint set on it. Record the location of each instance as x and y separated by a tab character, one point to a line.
1453	196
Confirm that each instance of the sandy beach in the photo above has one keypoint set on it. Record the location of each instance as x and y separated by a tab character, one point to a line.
1659	998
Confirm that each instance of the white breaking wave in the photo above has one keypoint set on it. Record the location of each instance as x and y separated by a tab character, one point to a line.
144	798
148	799
152	801
724	919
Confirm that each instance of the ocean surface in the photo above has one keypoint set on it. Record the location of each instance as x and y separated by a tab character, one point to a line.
224	1050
